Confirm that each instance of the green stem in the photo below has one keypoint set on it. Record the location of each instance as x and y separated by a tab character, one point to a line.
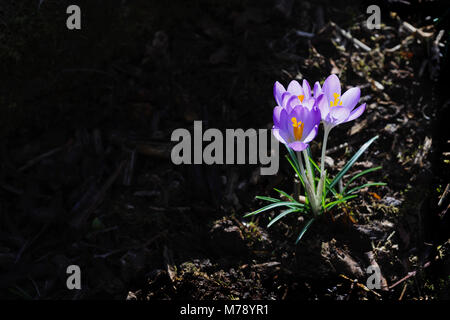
324	148
302	168
309	190
309	169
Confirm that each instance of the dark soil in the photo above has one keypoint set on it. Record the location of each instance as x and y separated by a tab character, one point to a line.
85	170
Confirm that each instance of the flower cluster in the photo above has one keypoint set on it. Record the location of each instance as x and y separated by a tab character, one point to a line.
299	111
296	120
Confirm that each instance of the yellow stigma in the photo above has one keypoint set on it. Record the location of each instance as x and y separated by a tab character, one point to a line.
298	128
336	101
301	97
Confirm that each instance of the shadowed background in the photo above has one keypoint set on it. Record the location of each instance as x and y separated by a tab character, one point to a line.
86	118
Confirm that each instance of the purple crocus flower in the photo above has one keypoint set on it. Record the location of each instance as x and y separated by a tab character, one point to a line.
294	95
297	126
334	108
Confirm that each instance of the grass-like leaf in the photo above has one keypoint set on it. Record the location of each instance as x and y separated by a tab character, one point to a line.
305	228
293	157
284	194
370	184
327	181
352	161
269	199
356	176
296	170
333	203
281	215
274	205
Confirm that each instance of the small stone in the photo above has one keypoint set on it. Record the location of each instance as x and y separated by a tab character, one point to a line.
390	201
329	162
391	127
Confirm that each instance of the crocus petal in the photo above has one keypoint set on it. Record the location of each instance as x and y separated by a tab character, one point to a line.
279	135
331	86
339	114
356	113
350	98
278	90
283	124
297	146
309	103
285	96
312	134
295	88
323	105
316	115
276	115
291	103
306	89
317	89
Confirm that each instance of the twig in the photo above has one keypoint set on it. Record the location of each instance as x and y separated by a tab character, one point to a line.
413	29
304	34
30	242
358	44
168	260
154	150
34	161
79	218
129	169
444	195
11	189
360	285
393	49
403	292
98	142
102	231
409	275
422	68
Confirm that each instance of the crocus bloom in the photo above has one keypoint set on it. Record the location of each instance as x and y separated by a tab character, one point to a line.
297	126
294	95
334	108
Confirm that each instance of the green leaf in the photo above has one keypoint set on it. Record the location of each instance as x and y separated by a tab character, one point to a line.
366	185
305	228
284	194
294	163
315	165
352	161
274	205
296	171
327	181
269	199
281	215
333	203
356	176
293	157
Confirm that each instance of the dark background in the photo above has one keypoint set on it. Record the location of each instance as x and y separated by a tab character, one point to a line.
85	123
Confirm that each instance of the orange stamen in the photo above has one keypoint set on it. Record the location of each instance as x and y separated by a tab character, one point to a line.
298	129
